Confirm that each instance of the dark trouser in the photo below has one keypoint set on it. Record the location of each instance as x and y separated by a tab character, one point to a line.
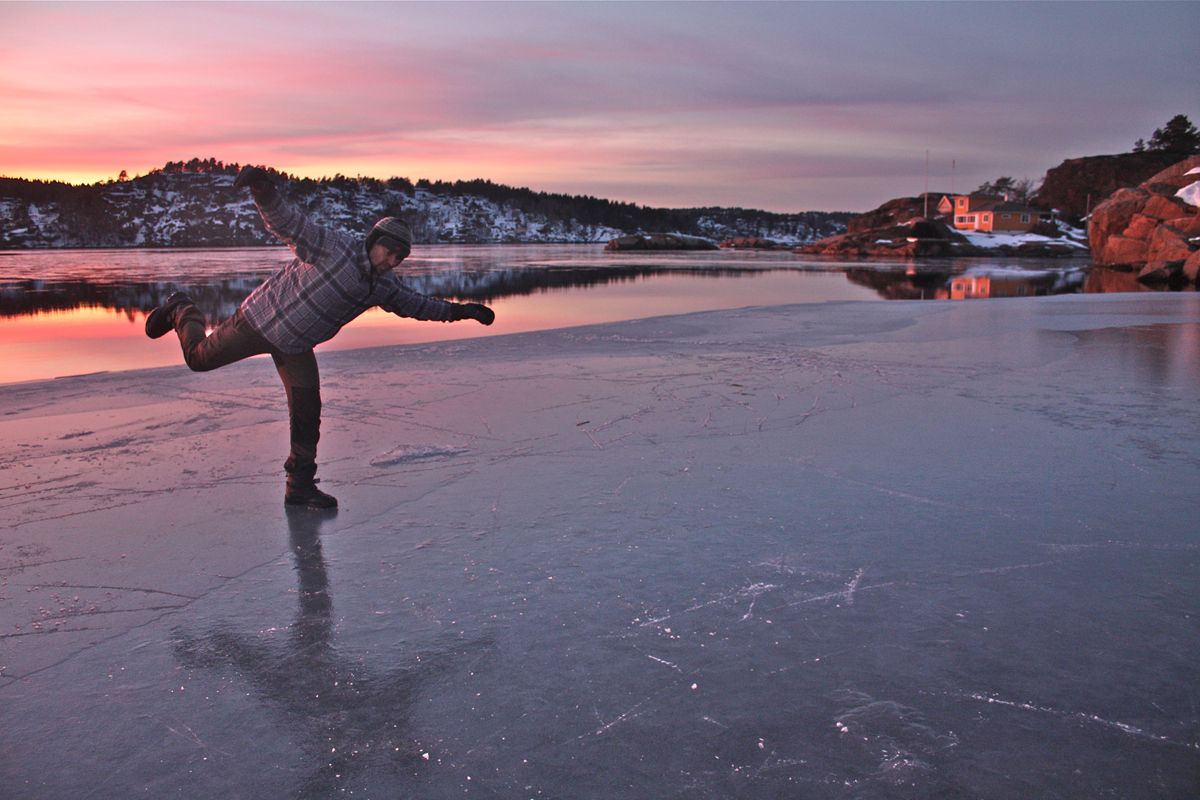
233	340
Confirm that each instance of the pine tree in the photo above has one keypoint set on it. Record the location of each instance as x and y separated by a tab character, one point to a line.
1179	135
1017	190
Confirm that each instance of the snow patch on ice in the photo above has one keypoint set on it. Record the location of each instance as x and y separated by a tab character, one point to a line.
408	453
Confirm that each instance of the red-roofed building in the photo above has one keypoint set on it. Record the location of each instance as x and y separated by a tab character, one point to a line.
979	212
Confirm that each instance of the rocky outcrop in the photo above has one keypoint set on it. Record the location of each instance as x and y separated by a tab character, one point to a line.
749	243
892	213
899	229
1077	185
660	241
926	237
1149	229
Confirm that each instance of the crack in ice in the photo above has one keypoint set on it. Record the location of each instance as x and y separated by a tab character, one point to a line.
1084	716
753	592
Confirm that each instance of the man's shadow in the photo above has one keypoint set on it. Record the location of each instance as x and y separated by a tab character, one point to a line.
348	719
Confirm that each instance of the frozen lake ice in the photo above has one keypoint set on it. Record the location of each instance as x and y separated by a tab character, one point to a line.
842	550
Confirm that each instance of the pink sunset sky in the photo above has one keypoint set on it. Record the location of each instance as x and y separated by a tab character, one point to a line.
781	106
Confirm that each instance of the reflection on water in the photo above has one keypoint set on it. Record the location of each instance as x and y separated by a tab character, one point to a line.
975	283
65	312
1159	356
347	717
133	282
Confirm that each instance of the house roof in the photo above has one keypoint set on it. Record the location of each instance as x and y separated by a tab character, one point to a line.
989	202
1005	205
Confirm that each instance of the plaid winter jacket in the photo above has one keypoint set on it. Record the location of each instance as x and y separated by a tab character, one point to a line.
329	283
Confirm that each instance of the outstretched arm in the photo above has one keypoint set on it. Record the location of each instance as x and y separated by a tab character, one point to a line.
307	240
404	302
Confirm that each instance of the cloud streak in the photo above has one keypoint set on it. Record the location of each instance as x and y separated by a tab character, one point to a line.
786	106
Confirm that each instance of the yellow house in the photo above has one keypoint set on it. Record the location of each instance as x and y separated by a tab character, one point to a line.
971	287
977	212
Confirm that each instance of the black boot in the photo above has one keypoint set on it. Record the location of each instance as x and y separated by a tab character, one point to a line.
162	319
302	489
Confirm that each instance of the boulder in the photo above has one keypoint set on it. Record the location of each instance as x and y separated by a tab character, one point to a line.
1122	251
1189	226
1147	228
1113	216
1191	267
1162	207
1167	244
1141	226
1156	272
1166	256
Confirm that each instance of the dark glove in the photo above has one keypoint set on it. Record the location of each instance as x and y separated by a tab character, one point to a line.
258	179
476	311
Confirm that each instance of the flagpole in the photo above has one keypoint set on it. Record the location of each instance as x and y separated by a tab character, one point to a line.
926	184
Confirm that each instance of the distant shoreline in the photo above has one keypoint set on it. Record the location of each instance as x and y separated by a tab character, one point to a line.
175	248
1001	251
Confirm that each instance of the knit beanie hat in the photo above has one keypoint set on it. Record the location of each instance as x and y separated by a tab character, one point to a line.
393	233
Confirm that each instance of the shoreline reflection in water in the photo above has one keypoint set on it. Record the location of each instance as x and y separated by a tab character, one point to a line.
74	312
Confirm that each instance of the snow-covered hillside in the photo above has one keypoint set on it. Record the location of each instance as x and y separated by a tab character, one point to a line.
202	209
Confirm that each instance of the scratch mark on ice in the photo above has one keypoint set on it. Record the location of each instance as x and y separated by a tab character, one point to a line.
847	594
113	588
753	592
664	661
1005	569
622	718
192	737
1083	716
28	564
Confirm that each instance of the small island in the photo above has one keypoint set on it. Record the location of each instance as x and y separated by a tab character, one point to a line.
660	241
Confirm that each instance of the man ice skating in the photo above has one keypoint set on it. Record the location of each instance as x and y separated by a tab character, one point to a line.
333	278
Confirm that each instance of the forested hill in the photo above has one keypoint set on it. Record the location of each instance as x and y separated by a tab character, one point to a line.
194	204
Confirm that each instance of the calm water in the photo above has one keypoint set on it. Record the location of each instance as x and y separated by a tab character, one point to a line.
69	312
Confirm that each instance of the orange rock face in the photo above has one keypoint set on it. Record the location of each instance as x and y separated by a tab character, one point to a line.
1149	229
1191	267
1160	207
1112	218
1123	251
